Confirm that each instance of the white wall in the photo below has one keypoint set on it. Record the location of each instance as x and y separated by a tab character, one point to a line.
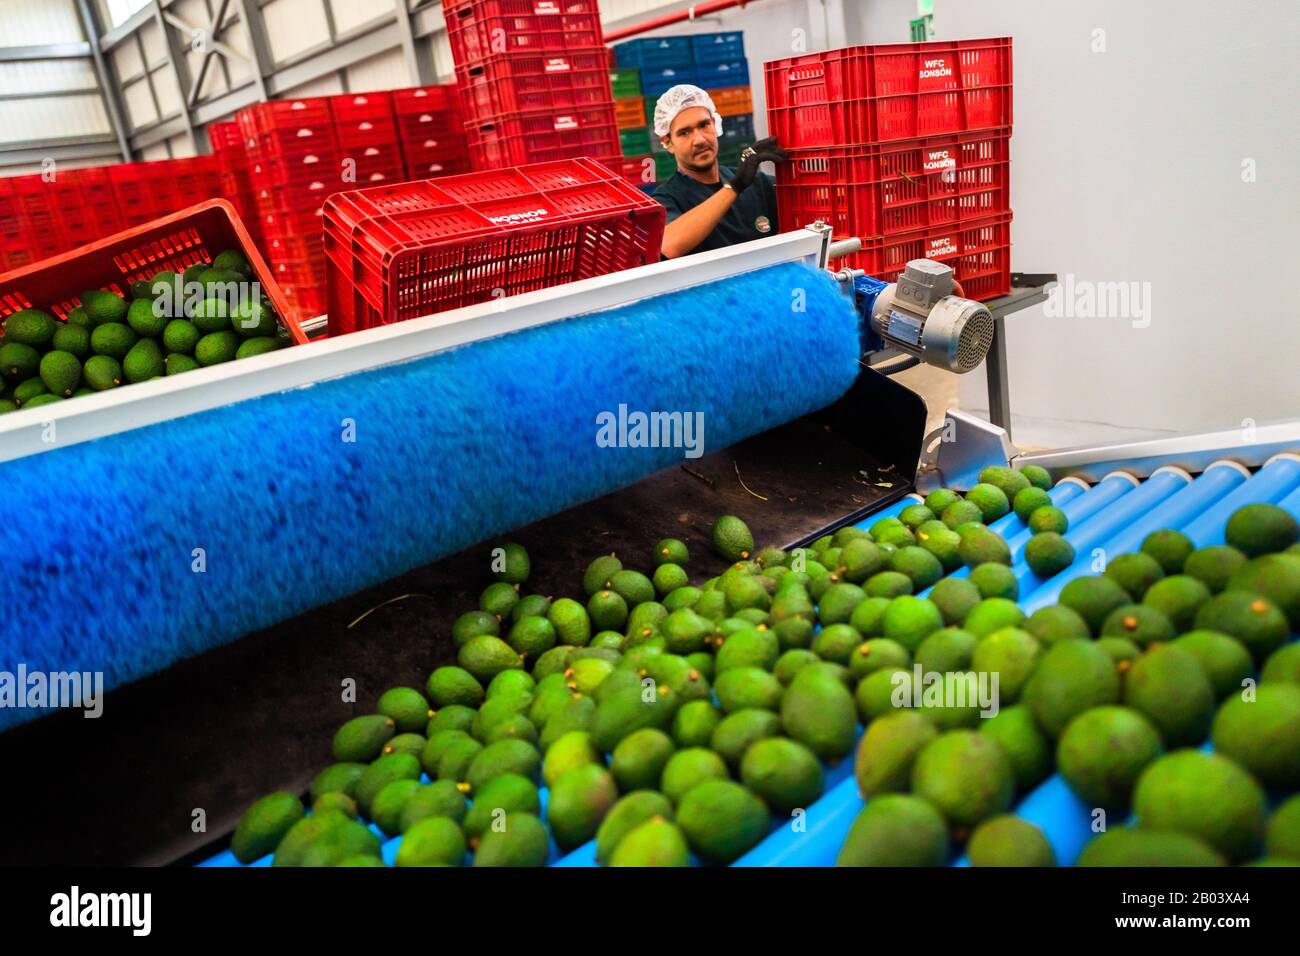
1127	165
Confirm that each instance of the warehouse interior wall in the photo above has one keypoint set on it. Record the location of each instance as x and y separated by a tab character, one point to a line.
1192	209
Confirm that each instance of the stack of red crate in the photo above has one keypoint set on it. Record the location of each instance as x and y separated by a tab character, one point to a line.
367	133
533	80
296	162
431	131
905	146
236	180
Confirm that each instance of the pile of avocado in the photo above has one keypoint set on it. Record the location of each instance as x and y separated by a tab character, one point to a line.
1116	687
173	323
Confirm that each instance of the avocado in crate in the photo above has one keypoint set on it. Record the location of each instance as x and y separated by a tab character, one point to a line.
119	311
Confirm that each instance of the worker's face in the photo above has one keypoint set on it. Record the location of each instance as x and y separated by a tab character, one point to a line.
693	139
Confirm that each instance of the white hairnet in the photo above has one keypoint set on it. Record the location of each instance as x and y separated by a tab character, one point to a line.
683	97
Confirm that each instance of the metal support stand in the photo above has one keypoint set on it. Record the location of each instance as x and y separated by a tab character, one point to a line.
1026	289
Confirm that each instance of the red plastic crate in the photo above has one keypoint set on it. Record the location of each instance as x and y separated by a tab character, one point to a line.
440	159
174	242
359	107
478	29
401	252
225	136
525	138
425	99
897	187
312	113
515	83
872	94
979	252
637	170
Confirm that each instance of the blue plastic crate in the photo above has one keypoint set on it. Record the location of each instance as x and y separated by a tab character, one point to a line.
715	76
718	47
655	53
655	83
737	129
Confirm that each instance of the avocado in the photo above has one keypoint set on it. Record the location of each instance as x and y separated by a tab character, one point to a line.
18	362
1012	654
433	841
1120	650
837	603
578	802
965	775
1071	677
521	840
954	597
338	839
1170	548
1282	839
412	744
74	339
213	315
671	551
786	775
214	348
599	573
909	620
1226	661
473	623
694	723
175	363
387	806
362	739
1275	577
629	710
993	614
264	825
442	798
818	711
750	647
871	656
1123	847
1028	750
1009	841
112	339
868	617
1168	685
384	770
1282	666
504	756
639	759
668	578
737	731
259	345
683	597
874	696
632	586
888	750
1214	566
1178	597
232	260
732	539
1048	554
45	398
496	712
338	777
941	498
30	327
626	815
1204	795
993	580
7	406
888	584
1263	735
747	687
979	546
25	392
1135	572
721	820
991	500
1028	500
456	685
607	611
531	636
335	800
1103	751
507	793
193	272
920	566
942	542
255	322
1261	528
896	830
689	767
836	643
451	717
961	512
860	559
486	656
578	713
455	753
945	650
1139	623
1048	518
1037	476
143	362
1008	480
144	319
892	531
1094	598
499	599
913	516
551	695
1250	618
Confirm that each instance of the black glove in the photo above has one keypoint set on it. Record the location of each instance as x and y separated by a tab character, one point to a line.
764	150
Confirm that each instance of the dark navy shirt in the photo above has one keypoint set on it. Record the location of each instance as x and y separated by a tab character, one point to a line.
751	216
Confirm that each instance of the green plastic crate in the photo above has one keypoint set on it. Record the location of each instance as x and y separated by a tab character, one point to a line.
626	81
729	154
665	166
635	142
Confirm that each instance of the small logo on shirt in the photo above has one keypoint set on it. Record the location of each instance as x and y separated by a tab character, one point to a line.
763	224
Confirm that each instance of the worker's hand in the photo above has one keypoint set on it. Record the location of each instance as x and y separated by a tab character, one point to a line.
764	150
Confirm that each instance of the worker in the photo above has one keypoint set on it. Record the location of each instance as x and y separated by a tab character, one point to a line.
710	206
